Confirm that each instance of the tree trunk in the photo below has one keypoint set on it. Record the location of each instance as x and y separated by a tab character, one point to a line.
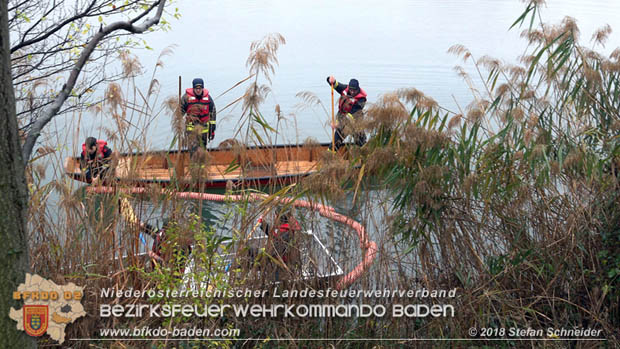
13	201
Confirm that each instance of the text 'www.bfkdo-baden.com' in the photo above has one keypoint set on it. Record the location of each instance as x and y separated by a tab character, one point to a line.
174	332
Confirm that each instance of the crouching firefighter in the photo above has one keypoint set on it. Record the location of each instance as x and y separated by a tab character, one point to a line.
95	159
169	247
283	239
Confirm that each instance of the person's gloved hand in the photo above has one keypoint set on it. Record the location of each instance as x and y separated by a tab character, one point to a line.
211	136
191	119
331	80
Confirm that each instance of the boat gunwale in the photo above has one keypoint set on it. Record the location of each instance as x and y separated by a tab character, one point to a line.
78	176
209	150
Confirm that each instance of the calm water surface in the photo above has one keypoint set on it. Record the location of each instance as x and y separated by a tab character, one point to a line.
386	45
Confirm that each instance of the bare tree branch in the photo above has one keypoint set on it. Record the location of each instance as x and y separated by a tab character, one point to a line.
35	24
67	88
56	28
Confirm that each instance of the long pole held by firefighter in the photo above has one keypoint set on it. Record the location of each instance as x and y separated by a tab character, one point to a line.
181	145
333	121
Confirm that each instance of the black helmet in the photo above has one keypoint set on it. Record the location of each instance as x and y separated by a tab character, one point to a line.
197	82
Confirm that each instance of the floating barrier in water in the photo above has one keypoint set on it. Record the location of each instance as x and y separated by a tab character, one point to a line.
368	247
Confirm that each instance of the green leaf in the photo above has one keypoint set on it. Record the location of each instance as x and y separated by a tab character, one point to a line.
231	167
521	18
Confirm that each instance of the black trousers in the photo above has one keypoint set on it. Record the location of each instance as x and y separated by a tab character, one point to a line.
196	139
339	136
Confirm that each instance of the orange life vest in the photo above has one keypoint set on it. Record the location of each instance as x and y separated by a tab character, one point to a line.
100	149
284	227
343	106
198	106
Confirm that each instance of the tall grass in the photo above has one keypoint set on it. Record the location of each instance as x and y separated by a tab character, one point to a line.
93	241
516	202
513	202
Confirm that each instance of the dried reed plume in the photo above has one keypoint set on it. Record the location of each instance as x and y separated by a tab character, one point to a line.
154	87
309	99
177	122
417	98
569	26
490	63
114	96
254	96
502	89
474	115
516	73
388	112
328	182
111	134
263	58
592	75
455	121
167	51
534	36
130	63
518	114
460	50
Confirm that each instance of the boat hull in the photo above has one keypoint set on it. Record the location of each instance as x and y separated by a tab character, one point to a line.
212	168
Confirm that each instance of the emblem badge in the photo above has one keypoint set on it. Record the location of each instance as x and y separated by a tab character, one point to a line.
36	319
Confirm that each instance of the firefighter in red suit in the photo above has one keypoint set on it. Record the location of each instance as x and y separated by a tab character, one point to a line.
96	159
350	108
200	114
282	234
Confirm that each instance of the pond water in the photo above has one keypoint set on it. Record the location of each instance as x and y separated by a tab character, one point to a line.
385	45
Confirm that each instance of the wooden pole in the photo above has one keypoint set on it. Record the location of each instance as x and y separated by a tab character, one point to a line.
333	121
181	146
180	159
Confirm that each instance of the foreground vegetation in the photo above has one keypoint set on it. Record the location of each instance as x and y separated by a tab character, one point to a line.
514	202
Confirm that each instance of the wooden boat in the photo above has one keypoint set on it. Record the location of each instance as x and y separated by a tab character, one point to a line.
213	168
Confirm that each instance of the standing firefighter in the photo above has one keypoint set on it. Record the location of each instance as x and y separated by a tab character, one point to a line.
350	108
96	159
199	108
